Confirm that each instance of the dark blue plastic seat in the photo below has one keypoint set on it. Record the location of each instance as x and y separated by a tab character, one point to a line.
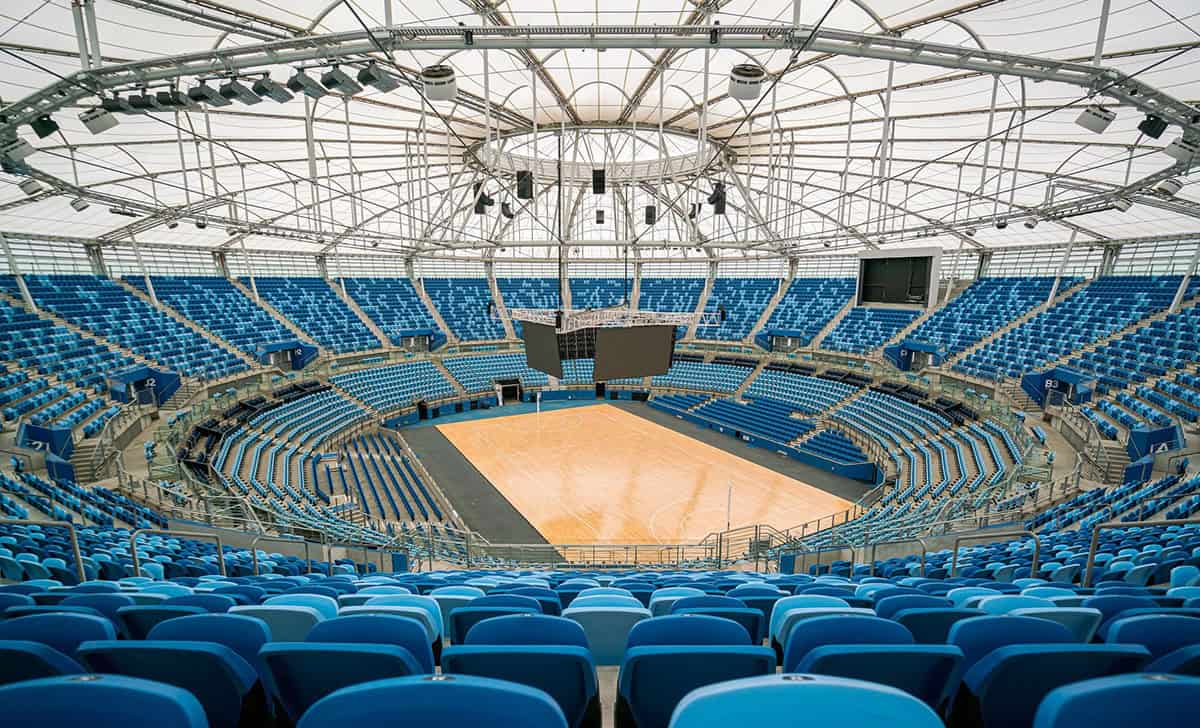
979	636
927	672
889	607
1162	701
436	702
931	625
1160	634
25	660
464	618
304	672
99	701
848	629
222	681
136	622
243	635
215	603
384	629
63	632
106	604
1005	687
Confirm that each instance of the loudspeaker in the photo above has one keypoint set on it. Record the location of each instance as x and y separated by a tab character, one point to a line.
598	181
651	214
599	217
482	200
524	184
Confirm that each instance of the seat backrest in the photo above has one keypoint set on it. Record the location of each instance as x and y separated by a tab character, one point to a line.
106	604
327	606
687	629
442	700
1164	701
287	623
243	634
377	629
455	591
774	700
113	701
507	600
209	602
802	601
962	594
979	636
890	606
1110	605
1158	633
429	604
605	600
1008	602
597	591
527	629
848	629
708	601
63	632
137	621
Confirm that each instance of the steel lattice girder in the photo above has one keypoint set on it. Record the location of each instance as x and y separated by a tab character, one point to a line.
358	44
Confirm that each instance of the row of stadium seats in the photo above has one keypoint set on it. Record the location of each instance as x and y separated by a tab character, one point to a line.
392	303
318	310
809	304
743	300
865	329
391	387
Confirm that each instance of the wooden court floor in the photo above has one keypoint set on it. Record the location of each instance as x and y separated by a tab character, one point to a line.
599	474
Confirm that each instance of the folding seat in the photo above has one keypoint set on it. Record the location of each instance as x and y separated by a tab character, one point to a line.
223	682
541	651
889	607
547	598
112	701
106	604
979	636
464	618
13	599
962	595
450	598
244	635
822	701
1005	687
1163	701
381	629
668	657
436	701
1082	621
1112	605
1008	602
287	623
25	660
606	628
1159	634
726	608
215	603
63	632
136	622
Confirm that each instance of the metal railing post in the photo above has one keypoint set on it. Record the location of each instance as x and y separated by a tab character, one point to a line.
186	534
924	551
1091	559
280	539
70	531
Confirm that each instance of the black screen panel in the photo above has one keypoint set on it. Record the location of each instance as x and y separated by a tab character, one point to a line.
895	280
635	351
541	348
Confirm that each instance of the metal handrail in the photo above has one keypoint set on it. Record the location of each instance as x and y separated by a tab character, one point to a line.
877	544
1037	546
281	539
1091	559
188	534
61	524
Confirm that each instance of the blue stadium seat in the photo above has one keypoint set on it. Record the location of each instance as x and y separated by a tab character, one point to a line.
64	632
383	629
840	630
112	701
1162	701
25	660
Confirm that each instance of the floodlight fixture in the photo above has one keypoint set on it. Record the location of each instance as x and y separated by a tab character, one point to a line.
1031	223
1001	223
1184	149
44	126
116	105
717	198
267	88
205	94
1152	126
30	186
235	90
302	83
746	80
374	76
16	149
1123	204
97	120
1169	187
1096	118
122	212
80	204
337	80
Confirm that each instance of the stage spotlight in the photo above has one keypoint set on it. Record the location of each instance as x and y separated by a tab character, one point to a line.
1096	118
205	94
1152	126
302	83
1183	149
378	78
506	210
122	212
144	102
1001	223
97	120
201	224
16	149
235	90
116	105
745	81
1031	223
439	83
825	244
267	88
44	126
30	186
717	198
1123	204
335	79
79	204
173	99
1169	187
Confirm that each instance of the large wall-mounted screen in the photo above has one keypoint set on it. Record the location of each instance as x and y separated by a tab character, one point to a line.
900	280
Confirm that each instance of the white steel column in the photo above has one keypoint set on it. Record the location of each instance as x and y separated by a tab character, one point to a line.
249	269
1187	279
137	251
1062	267
16	273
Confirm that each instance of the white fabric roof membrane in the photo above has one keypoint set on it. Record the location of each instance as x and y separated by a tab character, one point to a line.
815	179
